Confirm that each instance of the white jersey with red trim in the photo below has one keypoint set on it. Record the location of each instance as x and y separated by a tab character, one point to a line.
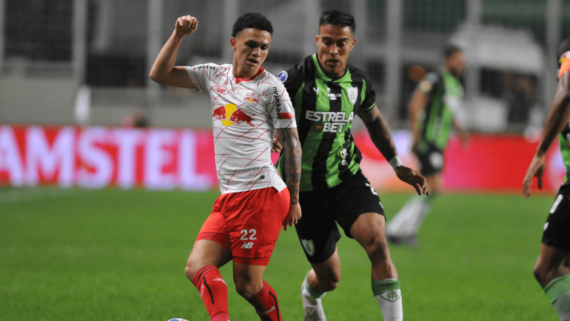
245	114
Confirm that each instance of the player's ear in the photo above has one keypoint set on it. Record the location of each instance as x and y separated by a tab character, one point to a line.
353	43
317	37
233	43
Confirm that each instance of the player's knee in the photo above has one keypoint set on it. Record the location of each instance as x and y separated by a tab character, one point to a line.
376	246
248	290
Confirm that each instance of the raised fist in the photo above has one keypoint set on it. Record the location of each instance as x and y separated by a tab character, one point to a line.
186	25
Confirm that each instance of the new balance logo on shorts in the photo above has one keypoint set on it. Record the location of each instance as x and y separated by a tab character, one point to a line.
247	245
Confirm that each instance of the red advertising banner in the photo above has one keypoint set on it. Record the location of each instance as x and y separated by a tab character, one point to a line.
487	163
99	157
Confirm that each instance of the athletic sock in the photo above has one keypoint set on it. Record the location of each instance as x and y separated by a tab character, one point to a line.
268	299
558	291
389	297
309	294
214	292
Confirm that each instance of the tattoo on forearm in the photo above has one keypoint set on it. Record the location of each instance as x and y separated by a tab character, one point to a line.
381	135
292	150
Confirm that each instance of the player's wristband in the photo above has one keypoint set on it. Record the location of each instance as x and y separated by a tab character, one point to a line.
395	162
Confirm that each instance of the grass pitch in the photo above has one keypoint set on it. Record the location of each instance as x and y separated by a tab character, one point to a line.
120	255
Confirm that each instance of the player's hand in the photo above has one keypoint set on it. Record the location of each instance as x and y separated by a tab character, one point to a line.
408	175
186	25
536	168
293	217
276	144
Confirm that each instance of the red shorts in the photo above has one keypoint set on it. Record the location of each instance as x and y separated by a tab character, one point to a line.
247	223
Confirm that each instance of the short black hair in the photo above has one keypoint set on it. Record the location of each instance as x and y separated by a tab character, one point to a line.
562	49
450	50
252	20
338	18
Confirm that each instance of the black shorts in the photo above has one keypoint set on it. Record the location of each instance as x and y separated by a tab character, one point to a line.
557	228
431	160
323	209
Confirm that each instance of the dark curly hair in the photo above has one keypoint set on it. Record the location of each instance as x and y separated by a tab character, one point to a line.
338	18
252	20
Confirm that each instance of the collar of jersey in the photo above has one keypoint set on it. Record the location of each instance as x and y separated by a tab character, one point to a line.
238	80
323	75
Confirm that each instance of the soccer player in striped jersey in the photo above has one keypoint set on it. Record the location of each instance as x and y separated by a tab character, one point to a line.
432	118
248	106
327	94
553	265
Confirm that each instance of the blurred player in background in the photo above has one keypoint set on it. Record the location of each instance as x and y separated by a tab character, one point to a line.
553	265
249	105
432	119
327	93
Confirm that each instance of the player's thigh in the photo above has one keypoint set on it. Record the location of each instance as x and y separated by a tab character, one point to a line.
254	220
317	230
207	252
357	198
430	160
552	263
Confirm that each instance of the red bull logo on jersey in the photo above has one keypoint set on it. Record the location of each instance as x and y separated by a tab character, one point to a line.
250	101
220	90
230	114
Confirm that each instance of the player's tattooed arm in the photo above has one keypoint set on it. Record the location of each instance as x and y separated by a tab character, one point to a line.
289	139
379	132
292	151
382	138
164	70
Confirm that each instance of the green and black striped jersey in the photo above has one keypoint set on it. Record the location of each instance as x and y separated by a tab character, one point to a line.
445	94
324	110
564	140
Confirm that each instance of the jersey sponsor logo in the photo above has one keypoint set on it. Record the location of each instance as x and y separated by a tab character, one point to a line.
277	101
391	295
330	121
352	94
250	101
282	77
333	96
247	245
230	114
220	90
309	246
343	153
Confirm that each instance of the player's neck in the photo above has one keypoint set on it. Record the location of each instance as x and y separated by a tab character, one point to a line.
243	73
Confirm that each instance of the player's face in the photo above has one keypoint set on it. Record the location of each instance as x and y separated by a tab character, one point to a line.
251	47
334	44
456	63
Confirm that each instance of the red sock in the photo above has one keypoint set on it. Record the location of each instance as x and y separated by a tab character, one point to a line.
214	292
268	299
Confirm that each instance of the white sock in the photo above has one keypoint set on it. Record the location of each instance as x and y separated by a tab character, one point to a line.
389	297
309	294
407	222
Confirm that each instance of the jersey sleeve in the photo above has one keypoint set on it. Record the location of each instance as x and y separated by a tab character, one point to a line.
202	75
368	96
280	106
293	80
427	85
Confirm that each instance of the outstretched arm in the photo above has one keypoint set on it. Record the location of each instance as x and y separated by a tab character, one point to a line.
555	122
163	70
289	138
382	137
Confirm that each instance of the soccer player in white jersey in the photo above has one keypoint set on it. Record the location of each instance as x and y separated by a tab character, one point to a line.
248	106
